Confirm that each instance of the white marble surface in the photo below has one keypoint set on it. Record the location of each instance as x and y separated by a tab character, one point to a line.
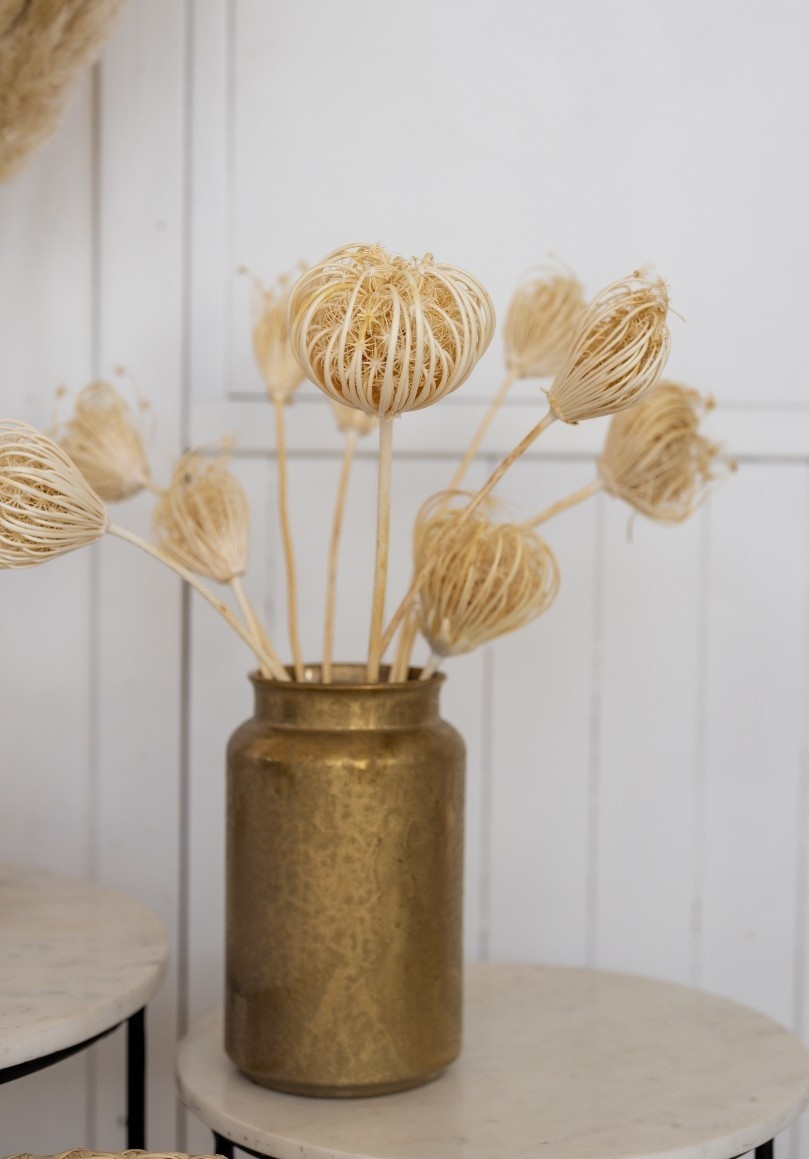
75	959
558	1064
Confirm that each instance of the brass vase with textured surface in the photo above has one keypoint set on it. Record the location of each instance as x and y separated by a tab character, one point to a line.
344	887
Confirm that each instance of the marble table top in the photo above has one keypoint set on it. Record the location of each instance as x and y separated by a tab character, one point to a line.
75	960
558	1063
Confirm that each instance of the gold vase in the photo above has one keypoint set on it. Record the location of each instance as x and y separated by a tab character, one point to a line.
344	887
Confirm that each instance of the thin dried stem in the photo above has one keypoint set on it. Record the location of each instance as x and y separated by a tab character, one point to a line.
334	553
253	644
382	543
286	538
480	433
404	647
579	496
257	628
434	662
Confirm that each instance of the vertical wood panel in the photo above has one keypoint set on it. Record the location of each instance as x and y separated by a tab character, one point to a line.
649	733
45	340
753	754
541	696
139	692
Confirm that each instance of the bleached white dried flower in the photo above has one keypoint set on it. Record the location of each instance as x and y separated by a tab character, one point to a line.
654	456
46	505
104	440
541	321
279	368
618	352
481	578
202	519
384	334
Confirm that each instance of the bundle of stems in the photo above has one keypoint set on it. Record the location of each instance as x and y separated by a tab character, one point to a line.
381	335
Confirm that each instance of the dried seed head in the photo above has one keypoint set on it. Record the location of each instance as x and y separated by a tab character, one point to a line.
46	504
386	335
203	520
482	578
618	352
274	356
654	457
349	419
105	442
541	321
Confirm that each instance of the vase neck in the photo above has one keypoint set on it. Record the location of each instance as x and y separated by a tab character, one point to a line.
347	703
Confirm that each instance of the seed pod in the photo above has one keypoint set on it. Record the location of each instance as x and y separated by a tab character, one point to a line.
386	335
46	505
654	457
202	519
104	441
277	363
482	578
541	321
618	352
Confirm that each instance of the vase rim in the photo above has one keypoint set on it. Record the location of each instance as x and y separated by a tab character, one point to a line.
345	685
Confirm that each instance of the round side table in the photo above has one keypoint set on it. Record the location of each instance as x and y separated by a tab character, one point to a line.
76	961
559	1063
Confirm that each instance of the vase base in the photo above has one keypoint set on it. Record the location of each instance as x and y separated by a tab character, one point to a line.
360	1091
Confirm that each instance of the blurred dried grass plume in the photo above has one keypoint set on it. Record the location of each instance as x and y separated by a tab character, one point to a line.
105	442
541	321
202	518
46	505
43	46
384	334
482	578
618	352
654	457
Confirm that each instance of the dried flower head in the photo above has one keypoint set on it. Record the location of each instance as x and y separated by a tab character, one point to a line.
654	457
618	352
202	519
349	419
482	578
46	504
105	442
386	335
43	46
274	356
541	322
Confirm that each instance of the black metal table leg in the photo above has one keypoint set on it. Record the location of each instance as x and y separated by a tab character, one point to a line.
136	1081
222	1146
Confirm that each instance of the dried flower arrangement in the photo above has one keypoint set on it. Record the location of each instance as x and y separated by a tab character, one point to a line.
381	335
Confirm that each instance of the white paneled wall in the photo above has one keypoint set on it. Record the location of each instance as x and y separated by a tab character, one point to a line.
638	760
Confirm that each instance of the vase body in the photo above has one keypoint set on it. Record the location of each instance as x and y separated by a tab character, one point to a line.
344	887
